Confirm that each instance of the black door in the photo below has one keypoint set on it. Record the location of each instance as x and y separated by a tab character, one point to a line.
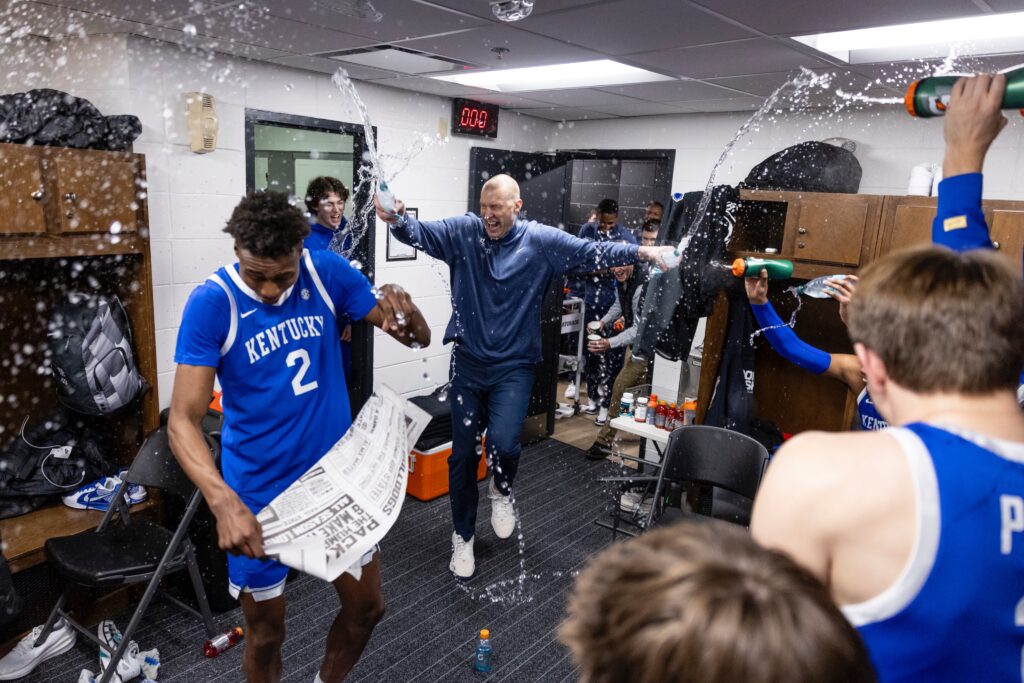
543	185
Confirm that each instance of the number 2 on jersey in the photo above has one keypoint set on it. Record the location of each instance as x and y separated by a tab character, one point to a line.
300	356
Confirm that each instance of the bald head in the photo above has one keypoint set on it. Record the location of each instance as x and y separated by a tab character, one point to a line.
499	205
504	185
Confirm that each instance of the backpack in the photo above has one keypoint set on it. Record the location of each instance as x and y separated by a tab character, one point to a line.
91	355
807	167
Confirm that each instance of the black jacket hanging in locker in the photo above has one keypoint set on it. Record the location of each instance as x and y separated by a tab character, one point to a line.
678	299
733	395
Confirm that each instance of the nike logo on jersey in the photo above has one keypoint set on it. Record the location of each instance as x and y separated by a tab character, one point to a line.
281	334
247	313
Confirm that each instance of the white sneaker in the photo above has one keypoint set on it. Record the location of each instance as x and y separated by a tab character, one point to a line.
590	408
503	515
602	417
130	665
463	563
570	391
24	657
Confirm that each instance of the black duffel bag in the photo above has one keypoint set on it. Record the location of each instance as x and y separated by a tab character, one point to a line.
54	457
807	167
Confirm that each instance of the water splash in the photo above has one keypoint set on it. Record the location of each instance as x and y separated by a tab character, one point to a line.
792	318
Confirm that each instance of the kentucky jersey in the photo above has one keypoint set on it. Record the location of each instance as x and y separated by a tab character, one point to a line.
870	418
957	611
279	365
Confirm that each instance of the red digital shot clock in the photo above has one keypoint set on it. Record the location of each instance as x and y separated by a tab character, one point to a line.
478	119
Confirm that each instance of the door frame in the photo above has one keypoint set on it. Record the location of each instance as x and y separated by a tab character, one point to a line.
360	385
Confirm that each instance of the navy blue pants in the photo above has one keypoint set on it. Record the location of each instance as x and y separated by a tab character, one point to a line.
490	397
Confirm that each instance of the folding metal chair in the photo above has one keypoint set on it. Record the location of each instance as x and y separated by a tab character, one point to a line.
136	550
722	470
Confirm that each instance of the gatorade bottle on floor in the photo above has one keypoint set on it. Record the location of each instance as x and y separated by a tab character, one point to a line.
482	658
929	97
778	269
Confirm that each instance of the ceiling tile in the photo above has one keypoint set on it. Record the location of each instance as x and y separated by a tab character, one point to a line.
898	75
142	11
482	9
669	91
507	101
738	58
766	84
1006	5
578	97
796	17
565	114
524	49
731	104
257	28
638	108
631	26
402	19
203	43
329	66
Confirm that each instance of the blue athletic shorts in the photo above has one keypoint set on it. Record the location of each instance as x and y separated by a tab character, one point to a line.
264	579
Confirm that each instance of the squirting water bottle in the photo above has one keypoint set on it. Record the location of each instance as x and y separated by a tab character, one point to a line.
819	287
482	658
386	197
218	644
929	97
778	269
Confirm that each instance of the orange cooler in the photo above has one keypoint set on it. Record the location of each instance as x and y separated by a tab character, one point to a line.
428	472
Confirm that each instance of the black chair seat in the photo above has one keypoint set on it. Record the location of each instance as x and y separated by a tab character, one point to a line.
109	557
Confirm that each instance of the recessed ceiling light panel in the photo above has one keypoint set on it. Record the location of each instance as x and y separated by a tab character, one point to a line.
555	76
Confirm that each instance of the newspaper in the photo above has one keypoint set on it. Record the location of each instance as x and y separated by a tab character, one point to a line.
344	504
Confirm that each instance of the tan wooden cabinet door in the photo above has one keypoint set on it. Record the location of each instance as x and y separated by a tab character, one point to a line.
833	228
94	193
22	195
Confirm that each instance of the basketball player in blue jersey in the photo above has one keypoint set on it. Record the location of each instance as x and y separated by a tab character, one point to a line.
839	366
918	530
265	327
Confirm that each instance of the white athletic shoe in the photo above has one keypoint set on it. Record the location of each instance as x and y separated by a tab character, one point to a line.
130	665
602	417
570	391
590	408
463	563
24	657
503	515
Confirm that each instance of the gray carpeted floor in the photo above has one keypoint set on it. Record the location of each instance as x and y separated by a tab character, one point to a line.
428	632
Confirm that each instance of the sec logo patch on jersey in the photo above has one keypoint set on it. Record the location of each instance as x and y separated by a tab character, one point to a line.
304	294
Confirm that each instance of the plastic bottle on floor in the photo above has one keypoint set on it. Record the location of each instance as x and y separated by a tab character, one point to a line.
218	644
482	658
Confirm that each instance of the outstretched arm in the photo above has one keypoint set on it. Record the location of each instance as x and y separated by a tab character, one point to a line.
972	122
841	366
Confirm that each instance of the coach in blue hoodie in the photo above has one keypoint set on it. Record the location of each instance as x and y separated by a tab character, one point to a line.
500	267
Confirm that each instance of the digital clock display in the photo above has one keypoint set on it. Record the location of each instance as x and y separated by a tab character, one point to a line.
475	118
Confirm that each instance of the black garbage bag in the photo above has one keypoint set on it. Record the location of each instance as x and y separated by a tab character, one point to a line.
807	167
50	458
54	118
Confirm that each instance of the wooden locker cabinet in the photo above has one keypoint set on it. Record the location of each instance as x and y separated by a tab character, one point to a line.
90	191
21	191
838	233
832	228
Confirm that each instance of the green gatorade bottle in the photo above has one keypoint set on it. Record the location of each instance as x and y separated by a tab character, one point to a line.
778	269
930	96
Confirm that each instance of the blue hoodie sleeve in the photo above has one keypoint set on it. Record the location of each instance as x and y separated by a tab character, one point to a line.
959	220
434	238
568	254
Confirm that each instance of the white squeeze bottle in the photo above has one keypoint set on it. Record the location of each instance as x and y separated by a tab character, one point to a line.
386	197
819	286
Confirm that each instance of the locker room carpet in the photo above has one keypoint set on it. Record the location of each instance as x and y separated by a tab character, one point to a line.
428	631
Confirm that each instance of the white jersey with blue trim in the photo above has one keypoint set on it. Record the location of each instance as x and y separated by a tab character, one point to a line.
284	395
956	612
870	418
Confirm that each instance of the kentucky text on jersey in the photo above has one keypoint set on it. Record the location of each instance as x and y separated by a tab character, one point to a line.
273	338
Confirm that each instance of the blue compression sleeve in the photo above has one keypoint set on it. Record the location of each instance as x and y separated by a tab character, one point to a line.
785	342
959	221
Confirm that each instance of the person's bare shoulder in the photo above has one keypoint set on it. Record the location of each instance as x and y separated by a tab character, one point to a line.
815	489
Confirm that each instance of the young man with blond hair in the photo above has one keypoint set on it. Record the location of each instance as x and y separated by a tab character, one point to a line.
918	530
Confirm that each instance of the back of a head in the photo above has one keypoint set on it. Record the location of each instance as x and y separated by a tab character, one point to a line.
267	225
702	603
943	321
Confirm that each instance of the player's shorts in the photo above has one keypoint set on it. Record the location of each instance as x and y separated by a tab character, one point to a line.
264	579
